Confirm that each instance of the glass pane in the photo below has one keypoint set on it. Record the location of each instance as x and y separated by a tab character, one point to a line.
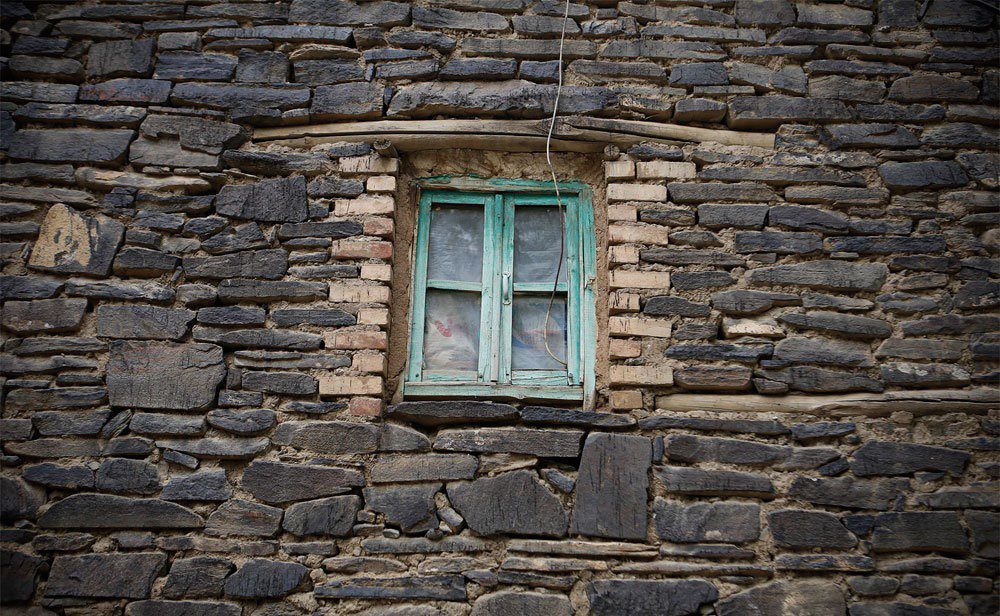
451	331
456	243
528	333
536	244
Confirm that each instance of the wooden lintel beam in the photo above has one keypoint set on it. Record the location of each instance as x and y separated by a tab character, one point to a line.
498	134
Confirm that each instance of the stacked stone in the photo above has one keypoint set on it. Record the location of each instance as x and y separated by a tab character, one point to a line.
193	368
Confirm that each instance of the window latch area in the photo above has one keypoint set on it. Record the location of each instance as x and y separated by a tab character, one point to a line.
506	288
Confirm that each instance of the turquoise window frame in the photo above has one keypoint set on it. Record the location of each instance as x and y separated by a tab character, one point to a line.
494	377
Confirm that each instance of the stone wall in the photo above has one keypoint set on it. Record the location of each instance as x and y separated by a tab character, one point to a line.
800	413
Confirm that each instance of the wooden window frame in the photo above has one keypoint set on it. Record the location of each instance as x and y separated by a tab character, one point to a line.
498	198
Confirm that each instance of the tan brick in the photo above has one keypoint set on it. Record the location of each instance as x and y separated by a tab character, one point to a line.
623	212
625	349
368	362
637	192
639	326
380	184
365	204
373	316
620	301
364	406
626	399
376	271
640	375
358	249
637	234
765	327
624	279
344	292
660	169
355	340
619	170
378	227
372	163
623	254
336	385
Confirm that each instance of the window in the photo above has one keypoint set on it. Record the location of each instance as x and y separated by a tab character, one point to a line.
486	257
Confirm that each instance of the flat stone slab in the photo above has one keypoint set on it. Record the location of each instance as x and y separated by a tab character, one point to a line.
532	442
510	503
104	576
107	511
279	482
447	412
163	375
611	488
73	243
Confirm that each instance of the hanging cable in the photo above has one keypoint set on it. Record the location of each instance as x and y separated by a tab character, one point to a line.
555	183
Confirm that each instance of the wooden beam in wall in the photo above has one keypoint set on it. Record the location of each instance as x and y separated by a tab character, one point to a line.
934	401
572	134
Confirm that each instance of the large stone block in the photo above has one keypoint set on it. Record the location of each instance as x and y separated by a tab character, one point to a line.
266	579
521	603
662	597
164	375
802	529
784	597
19	571
919	531
527	441
892	458
43	316
611	487
410	507
451	412
72	243
510	503
200	577
107	511
278	482
332	516
707	522
71	145
104	576
143	322
278	200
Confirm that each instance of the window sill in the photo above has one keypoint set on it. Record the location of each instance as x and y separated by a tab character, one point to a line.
526	393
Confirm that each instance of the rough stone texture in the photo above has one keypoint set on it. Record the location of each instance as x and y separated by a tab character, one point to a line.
611	487
203	322
510	503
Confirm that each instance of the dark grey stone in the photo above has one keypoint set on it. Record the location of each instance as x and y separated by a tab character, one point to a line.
701	482
344	101
244	518
71	145
269	264
231	316
824	352
20	500
821	380
163	375
816	598
333	516
47	474
664	597
43	315
104	576
144	262
207	485
801	529
573	417
919	532
527	441
744	303
700	522
983	526
328	437
19	571
432	587
346	13
240	96
200	577
217	448
277	482
409	507
143	322
611	487
750	353
277	200
181	608
247	236
278	339
243	422
128	476
194	66
28	287
444	412
517	603
107	511
263	292
736	215
266	579
892	458
510	503
663	305
836	323
848	492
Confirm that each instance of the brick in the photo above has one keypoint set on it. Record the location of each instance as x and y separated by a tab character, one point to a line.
620	301
373	316
623	212
619	170
621	279
357	249
625	349
359	294
364	406
378	227
639	326
638	234
642	375
330	385
627	399
365	204
659	169
372	163
636	192
623	254
376	271
357	339
368	362
380	184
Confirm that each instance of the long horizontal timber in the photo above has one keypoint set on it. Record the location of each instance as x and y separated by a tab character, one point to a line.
574	134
